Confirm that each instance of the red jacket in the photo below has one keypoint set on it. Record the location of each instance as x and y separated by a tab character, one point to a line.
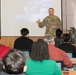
59	55
3	50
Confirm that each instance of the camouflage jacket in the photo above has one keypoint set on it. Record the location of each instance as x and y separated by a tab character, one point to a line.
48	22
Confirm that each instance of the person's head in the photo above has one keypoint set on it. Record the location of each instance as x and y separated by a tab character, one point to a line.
66	37
14	62
58	32
24	31
39	51
50	40
51	11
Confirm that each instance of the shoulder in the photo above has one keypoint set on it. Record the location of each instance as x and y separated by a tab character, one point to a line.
28	59
71	45
61	45
58	38
51	47
56	17
47	17
50	61
29	40
4	47
62	52
18	38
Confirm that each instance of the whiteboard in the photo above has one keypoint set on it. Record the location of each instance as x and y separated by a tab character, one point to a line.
17	14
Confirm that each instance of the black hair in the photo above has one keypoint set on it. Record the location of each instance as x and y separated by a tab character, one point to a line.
24	31
39	50
14	62
66	37
58	33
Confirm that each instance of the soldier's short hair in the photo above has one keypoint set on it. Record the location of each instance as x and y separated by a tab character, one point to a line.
52	8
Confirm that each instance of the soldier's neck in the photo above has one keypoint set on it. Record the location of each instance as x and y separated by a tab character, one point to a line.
51	15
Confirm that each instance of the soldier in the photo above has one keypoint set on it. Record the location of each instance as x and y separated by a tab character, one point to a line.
51	22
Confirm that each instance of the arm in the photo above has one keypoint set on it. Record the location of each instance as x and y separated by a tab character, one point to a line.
67	62
15	44
41	24
5	50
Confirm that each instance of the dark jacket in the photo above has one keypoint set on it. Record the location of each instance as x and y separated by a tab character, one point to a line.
58	41
67	47
23	43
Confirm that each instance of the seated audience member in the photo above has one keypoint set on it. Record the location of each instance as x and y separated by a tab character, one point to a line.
14	63
58	39
66	46
39	63
3	50
57	54
23	43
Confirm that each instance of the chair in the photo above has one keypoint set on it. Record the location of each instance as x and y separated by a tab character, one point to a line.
70	55
60	64
26	53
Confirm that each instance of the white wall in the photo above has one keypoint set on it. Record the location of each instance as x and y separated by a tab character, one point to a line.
69	13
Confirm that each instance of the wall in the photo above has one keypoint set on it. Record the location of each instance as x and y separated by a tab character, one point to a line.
69	13
9	40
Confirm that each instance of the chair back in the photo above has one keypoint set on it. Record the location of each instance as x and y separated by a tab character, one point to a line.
60	64
26	53
69	54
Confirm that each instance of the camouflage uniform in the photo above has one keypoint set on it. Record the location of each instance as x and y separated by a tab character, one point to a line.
48	22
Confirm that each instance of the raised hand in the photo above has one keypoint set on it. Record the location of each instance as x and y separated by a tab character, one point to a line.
38	21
